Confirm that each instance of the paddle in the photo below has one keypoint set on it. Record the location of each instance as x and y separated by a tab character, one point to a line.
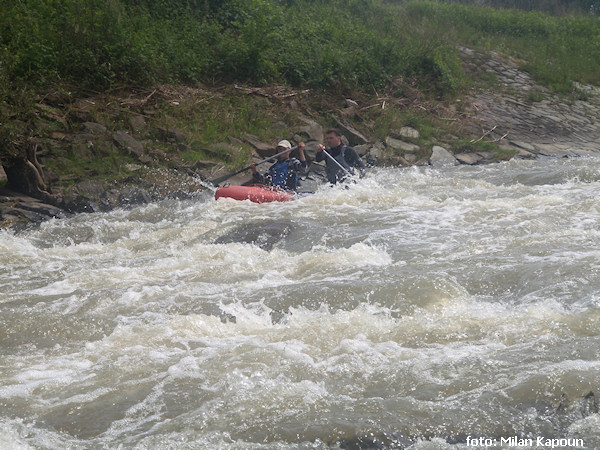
338	163
219	180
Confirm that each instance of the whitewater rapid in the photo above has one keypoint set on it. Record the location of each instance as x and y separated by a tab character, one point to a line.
419	308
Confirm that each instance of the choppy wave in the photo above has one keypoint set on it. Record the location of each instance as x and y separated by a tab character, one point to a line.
410	310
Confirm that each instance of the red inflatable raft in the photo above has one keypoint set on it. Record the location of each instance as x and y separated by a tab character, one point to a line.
254	193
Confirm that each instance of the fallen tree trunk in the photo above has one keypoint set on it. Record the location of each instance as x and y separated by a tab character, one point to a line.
26	175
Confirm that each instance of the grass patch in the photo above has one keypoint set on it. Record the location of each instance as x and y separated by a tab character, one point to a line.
557	50
534	95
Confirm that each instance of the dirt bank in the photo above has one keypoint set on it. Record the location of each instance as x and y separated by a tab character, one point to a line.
130	146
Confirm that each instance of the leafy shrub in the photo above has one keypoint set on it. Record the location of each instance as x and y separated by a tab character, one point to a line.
342	45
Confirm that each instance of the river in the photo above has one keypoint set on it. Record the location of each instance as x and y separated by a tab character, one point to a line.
419	308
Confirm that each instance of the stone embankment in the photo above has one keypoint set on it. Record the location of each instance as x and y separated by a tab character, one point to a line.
522	119
526	117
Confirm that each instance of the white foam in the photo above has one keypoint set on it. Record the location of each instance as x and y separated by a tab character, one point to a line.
10	437
486	290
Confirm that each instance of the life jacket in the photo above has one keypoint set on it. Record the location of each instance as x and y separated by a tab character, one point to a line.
282	176
334	172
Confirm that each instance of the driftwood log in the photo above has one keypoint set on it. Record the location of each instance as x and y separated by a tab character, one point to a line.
25	174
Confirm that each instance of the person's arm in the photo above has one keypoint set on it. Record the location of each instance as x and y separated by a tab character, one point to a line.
300	167
355	161
303	165
257	177
320	156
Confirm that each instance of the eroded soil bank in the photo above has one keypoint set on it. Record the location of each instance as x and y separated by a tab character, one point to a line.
134	146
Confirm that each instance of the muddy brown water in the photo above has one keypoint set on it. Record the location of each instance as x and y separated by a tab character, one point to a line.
419	308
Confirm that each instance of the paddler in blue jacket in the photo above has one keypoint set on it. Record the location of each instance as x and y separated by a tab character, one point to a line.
346	158
284	173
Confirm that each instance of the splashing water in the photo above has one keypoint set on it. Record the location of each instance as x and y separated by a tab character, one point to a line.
418	308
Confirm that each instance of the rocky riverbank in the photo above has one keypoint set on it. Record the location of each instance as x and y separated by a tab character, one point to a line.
103	152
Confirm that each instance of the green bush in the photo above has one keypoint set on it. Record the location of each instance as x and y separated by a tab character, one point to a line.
342	45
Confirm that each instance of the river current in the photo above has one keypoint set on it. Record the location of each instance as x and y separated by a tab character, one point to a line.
419	308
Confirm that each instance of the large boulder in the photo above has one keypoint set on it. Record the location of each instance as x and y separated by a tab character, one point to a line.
264	234
312	130
126	142
354	136
262	148
133	195
469	158
90	189
441	157
18	210
397	144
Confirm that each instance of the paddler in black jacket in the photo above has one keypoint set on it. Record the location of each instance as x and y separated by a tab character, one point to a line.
346	158
284	173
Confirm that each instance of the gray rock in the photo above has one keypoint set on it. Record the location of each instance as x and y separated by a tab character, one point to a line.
486	156
124	141
133	195
523	145
362	149
133	167
397	144
94	128
409	132
91	189
302	137
312	129
354	136
468	158
557	150
17	210
441	157
377	151
262	148
81	110
74	203
137	123
15	214
396	161
2	173
523	154
310	150
43	209
264	234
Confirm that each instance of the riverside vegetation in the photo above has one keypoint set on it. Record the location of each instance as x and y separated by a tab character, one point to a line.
104	103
